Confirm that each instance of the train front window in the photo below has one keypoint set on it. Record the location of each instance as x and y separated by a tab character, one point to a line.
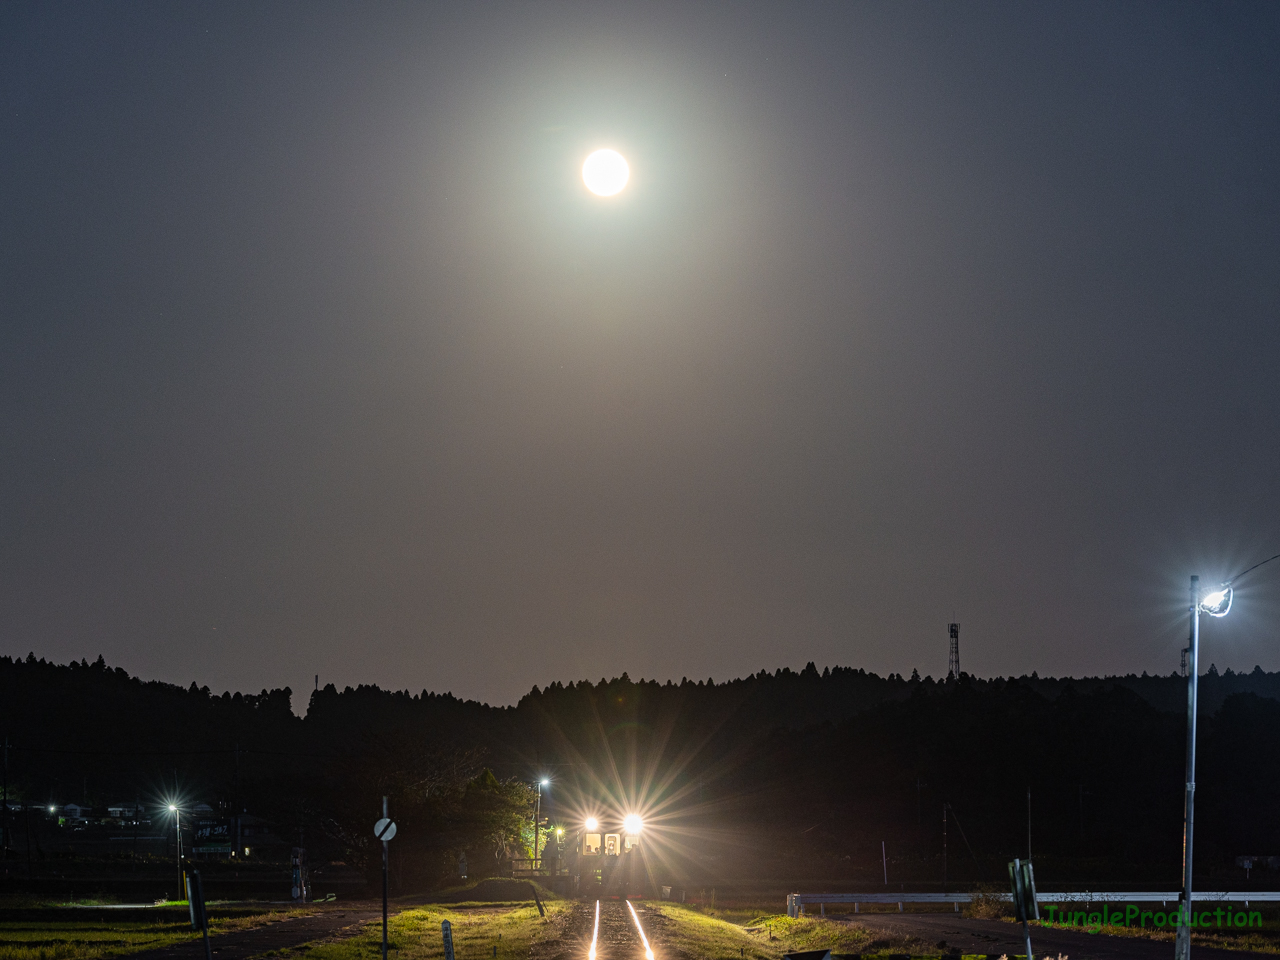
591	845
611	847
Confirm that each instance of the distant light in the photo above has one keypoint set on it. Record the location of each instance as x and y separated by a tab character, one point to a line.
1218	603
560	831
591	824
605	173
51	809
632	823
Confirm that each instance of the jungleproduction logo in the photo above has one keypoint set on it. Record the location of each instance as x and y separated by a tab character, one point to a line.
1225	917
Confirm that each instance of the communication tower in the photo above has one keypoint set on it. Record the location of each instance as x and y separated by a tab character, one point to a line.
953	656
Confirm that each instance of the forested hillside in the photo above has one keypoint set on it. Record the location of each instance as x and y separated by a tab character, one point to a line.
790	773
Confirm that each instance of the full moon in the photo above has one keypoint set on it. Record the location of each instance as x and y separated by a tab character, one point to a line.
605	172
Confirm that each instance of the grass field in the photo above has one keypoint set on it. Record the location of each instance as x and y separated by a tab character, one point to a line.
725	933
774	934
514	929
1259	940
107	935
737	934
510	930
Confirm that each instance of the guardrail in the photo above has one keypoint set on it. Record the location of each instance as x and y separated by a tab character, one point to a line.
796	902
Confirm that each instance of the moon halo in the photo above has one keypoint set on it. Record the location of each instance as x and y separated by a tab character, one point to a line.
605	172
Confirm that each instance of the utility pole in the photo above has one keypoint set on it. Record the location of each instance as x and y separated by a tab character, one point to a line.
1182	939
953	654
236	809
4	827
176	807
177	829
1028	823
944	847
384	885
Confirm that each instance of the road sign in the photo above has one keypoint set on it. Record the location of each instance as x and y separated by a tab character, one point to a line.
1024	890
384	830
1023	881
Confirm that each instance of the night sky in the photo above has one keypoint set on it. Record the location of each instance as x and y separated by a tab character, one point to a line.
318	358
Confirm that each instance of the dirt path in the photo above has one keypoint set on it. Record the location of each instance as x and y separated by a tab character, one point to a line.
277	935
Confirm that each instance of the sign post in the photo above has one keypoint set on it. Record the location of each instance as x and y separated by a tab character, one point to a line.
195	905
1024	898
447	929
384	830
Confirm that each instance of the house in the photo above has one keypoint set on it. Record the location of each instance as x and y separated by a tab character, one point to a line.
256	837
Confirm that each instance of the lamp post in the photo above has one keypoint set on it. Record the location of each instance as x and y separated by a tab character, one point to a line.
1216	604
177	829
537	821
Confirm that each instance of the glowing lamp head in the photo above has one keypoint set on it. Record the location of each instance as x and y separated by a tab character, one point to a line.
605	173
51	809
544	783
172	807
592	823
632	823
1218	603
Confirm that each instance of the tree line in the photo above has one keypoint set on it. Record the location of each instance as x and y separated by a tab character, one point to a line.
785	774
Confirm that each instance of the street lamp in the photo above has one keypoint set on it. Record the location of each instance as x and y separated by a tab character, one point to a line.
537	817
1215	604
177	829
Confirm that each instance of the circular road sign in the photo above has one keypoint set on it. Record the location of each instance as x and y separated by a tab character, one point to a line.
384	829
